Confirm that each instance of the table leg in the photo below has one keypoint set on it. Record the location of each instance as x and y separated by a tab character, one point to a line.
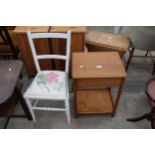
23	104
75	99
118	96
130	57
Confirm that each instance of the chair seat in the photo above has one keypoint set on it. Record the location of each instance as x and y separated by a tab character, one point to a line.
48	85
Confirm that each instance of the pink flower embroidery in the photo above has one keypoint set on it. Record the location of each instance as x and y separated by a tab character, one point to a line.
51	77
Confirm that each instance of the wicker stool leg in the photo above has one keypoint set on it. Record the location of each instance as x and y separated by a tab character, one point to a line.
130	57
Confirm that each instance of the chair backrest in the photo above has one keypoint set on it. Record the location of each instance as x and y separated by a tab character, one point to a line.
142	37
66	58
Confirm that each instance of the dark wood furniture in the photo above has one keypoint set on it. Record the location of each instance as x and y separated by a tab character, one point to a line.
141	38
150	91
48	46
7	45
101	41
94	74
10	91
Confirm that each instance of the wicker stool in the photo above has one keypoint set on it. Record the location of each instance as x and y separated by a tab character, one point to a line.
101	41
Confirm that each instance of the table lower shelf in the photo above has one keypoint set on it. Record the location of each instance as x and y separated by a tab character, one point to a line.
94	102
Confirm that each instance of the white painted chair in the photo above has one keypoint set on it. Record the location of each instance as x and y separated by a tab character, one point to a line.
48	84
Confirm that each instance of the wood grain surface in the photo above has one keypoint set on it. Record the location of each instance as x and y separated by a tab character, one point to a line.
87	65
107	40
94	101
73	29
24	29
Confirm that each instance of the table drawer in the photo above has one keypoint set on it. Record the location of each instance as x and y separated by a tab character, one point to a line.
97	83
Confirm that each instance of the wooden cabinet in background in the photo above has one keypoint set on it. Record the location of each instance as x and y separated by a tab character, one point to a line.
77	42
53	46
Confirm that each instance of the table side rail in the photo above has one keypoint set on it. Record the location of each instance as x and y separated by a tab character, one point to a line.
82	84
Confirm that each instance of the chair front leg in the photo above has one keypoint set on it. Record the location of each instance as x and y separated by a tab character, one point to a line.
29	105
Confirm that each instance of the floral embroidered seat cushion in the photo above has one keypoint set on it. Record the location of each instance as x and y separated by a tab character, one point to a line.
50	84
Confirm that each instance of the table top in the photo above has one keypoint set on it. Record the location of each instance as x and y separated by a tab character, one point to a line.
9	71
97	65
108	40
73	29
24	29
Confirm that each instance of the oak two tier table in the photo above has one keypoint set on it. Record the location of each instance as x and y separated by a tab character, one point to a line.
94	74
